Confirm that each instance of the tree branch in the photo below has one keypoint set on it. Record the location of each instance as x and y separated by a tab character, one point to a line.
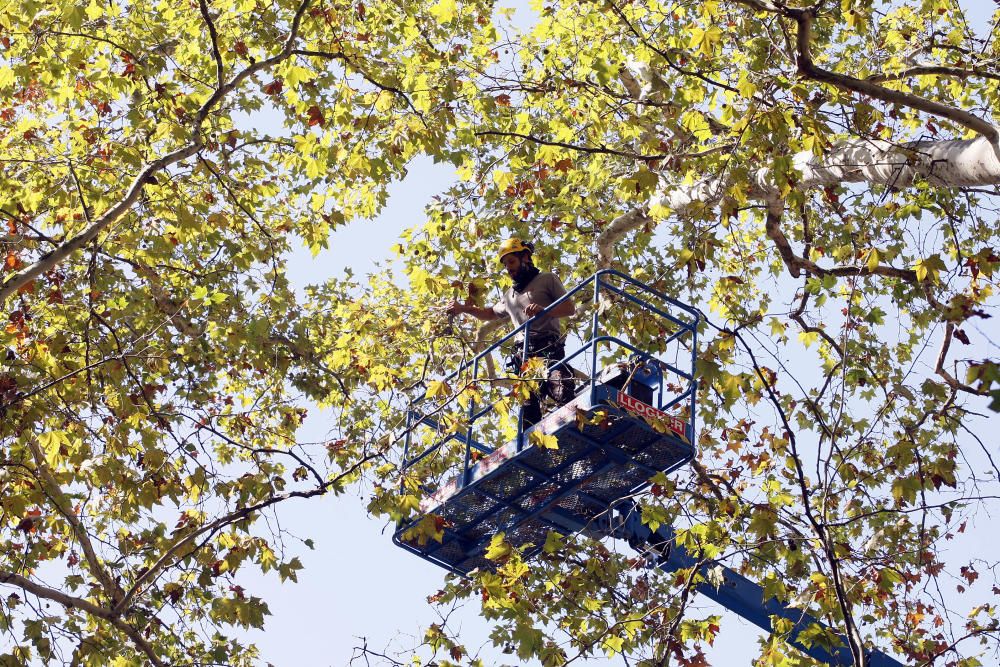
574	147
854	640
337	55
214	35
931	70
72	602
798	316
939	368
807	68
54	257
796	265
175	550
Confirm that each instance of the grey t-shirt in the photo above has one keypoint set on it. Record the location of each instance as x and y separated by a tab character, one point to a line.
544	289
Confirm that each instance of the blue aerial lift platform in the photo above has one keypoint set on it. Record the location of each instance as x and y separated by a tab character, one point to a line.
577	470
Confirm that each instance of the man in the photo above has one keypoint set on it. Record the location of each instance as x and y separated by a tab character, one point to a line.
531	293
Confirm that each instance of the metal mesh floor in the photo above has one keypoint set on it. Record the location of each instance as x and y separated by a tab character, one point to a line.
537	490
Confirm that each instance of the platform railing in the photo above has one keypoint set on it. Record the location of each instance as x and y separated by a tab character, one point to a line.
678	320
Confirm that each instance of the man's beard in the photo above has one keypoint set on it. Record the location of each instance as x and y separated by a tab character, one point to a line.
525	274
522	272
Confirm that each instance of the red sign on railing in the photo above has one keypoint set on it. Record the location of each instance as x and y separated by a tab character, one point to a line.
648	412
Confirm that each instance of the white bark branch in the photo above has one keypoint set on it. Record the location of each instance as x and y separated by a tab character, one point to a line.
953	164
618	228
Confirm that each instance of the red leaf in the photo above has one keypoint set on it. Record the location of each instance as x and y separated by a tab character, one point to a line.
316	116
273	88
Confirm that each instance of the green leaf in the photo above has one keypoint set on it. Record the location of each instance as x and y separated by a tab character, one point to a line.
553	542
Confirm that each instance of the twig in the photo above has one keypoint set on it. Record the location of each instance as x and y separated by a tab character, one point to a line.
214	35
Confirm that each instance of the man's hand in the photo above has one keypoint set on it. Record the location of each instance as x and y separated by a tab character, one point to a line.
533	309
455	308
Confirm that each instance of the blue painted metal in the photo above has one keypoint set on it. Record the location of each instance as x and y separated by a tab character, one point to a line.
736	592
524	492
616	434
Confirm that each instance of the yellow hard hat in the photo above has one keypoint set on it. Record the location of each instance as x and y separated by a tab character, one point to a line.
512	245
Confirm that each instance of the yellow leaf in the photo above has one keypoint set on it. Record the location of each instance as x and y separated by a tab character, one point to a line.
697	34
444	11
6	77
543	440
94	11
746	86
553	543
502	179
52	443
409	502
438	388
613	644
873	259
298	74
808	337
498	548
430	527
929	268
705	40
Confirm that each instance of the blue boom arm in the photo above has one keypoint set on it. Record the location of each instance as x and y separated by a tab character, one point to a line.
737	593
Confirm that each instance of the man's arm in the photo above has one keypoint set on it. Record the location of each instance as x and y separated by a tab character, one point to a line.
456	308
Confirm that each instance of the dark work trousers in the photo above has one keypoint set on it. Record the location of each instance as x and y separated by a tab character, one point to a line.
559	384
